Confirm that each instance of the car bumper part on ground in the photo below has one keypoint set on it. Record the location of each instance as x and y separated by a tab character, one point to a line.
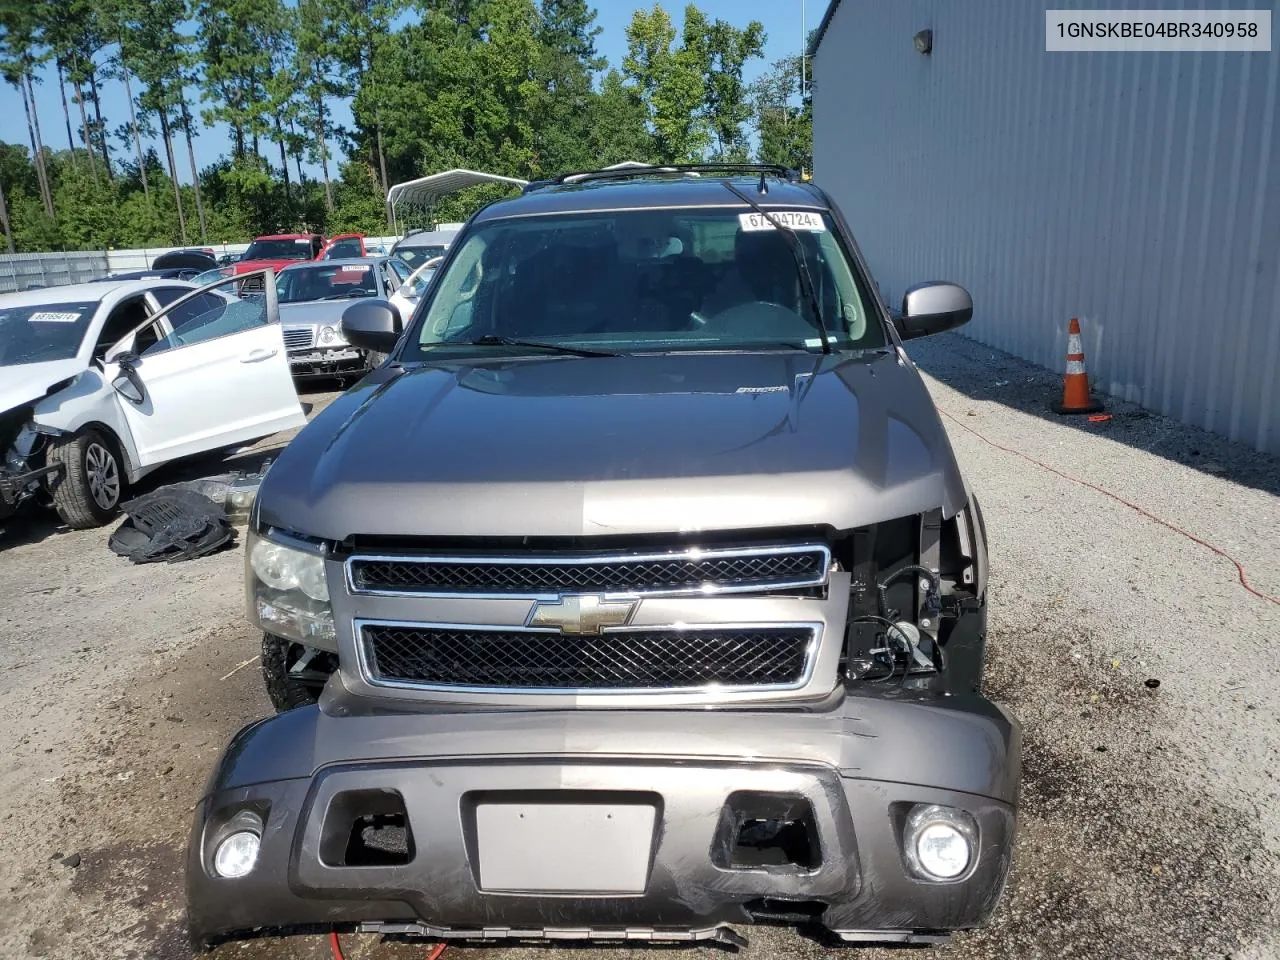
608	824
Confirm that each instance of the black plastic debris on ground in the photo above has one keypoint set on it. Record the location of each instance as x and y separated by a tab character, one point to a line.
171	524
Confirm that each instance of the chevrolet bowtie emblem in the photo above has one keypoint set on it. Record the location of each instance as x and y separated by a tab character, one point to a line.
581	614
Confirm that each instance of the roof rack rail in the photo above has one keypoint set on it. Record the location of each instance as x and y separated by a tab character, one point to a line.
632	170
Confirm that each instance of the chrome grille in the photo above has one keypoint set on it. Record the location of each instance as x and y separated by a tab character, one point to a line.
637	659
690	572
298	338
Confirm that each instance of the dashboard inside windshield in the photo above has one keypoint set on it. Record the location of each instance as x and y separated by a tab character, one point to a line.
336	282
42	332
649	279
299	249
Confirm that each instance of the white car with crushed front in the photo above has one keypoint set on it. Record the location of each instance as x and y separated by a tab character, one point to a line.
101	383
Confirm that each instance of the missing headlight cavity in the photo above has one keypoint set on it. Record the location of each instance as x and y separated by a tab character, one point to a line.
366	828
767	831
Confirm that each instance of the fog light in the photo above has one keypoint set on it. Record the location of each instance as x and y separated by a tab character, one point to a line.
939	842
237	854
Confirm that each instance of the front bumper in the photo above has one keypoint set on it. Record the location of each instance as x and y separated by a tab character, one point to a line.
849	770
321	361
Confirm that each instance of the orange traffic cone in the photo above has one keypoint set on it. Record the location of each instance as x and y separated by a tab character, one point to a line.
1075	382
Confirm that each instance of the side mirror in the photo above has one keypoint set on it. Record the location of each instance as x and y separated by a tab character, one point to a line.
929	308
127	383
371	325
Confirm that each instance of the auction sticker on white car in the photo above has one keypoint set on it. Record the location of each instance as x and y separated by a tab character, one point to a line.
795	219
49	316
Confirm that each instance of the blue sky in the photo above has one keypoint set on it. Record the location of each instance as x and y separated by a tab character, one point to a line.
782	21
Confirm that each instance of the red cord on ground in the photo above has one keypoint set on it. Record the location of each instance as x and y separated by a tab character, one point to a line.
435	952
1244	580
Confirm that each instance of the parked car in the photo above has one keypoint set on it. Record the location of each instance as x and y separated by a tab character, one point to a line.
312	297
279	251
654	592
419	246
174	265
227	259
211	276
344	246
407	295
195	260
101	383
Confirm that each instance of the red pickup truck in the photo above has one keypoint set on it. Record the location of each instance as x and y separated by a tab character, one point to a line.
279	250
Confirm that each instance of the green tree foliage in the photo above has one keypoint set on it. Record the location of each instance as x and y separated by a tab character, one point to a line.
783	116
670	80
236	40
511	86
618	129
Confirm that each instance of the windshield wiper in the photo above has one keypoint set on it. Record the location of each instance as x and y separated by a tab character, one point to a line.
493	340
802	266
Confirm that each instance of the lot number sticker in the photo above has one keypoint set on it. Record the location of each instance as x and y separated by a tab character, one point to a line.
52	317
795	219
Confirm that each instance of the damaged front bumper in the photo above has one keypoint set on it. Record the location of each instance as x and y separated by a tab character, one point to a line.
323	362
17	486
606	824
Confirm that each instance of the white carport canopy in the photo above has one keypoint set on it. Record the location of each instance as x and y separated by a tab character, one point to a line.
422	194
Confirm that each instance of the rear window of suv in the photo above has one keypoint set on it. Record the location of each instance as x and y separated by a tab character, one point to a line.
648	279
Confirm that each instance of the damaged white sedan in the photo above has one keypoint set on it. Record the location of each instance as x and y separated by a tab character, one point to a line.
101	383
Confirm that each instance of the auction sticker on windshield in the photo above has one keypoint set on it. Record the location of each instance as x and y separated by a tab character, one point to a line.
795	219
48	316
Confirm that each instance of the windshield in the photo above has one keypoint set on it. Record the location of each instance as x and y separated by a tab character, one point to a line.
627	281
341	249
299	249
417	283
337	281
42	332
211	276
417	256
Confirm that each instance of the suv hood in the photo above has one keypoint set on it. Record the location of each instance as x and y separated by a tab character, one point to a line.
568	447
25	382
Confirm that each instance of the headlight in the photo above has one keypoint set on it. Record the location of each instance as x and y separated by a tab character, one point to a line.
287	593
939	842
284	568
328	334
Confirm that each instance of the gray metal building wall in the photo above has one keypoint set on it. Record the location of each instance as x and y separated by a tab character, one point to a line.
1139	192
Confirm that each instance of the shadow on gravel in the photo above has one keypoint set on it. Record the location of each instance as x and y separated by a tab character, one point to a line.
989	375
1121	852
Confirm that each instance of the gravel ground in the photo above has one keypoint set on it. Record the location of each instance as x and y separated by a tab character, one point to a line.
1149	825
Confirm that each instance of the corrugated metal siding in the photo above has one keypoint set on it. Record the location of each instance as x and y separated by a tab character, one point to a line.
1137	191
27	271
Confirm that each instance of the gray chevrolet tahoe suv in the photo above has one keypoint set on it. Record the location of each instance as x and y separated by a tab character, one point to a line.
645	594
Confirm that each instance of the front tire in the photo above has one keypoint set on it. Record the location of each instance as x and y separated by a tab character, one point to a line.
288	687
87	493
